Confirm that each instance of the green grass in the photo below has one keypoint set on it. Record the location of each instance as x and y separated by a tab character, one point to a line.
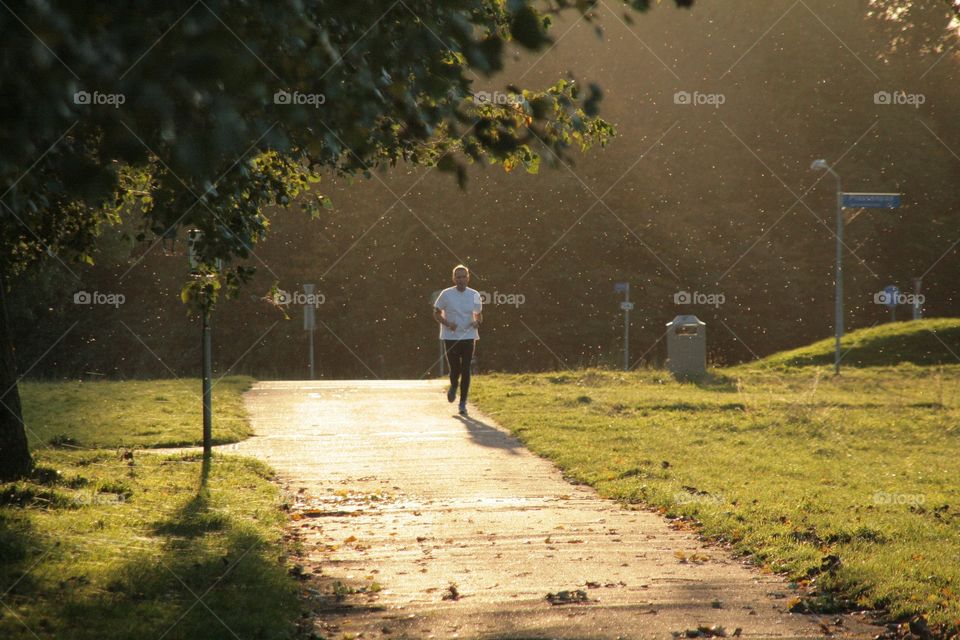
99	545
925	342
135	413
789	466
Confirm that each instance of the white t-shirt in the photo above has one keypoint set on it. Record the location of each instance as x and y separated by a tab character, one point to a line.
458	307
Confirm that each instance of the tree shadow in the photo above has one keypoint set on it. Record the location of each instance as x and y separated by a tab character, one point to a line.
212	576
16	553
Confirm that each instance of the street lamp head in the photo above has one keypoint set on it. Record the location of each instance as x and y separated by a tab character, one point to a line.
820	165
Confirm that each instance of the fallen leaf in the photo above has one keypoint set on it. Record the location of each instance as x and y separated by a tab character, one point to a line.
567	597
452	592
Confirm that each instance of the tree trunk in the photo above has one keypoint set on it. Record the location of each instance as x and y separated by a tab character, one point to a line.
15	460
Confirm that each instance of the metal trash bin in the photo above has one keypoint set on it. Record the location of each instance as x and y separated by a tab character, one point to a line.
687	346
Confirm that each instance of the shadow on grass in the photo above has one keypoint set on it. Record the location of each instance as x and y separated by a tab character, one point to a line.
714	381
16	554
212	577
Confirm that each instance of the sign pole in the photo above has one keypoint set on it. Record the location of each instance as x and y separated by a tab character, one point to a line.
838	303
626	306
626	330
917	311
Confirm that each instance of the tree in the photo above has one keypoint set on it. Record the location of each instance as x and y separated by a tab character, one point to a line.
197	114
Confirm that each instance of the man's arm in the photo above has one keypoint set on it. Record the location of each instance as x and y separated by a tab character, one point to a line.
438	316
477	319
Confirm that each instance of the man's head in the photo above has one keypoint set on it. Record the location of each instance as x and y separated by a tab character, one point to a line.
461	276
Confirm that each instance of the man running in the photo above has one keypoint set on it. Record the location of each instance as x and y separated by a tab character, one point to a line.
458	310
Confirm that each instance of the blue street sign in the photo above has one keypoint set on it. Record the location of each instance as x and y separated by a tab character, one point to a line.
891	294
621	287
871	200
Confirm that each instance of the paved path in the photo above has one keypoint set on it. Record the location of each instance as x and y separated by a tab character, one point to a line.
397	498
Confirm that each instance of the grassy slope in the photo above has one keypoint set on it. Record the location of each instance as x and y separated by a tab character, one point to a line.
926	342
97	545
792	466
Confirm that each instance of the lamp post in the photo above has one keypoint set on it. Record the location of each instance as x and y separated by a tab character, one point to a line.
821	165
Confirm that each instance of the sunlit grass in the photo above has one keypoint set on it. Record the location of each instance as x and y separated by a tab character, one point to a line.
790	466
144	413
930	341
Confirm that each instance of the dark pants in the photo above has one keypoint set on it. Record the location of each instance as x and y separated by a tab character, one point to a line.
459	354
